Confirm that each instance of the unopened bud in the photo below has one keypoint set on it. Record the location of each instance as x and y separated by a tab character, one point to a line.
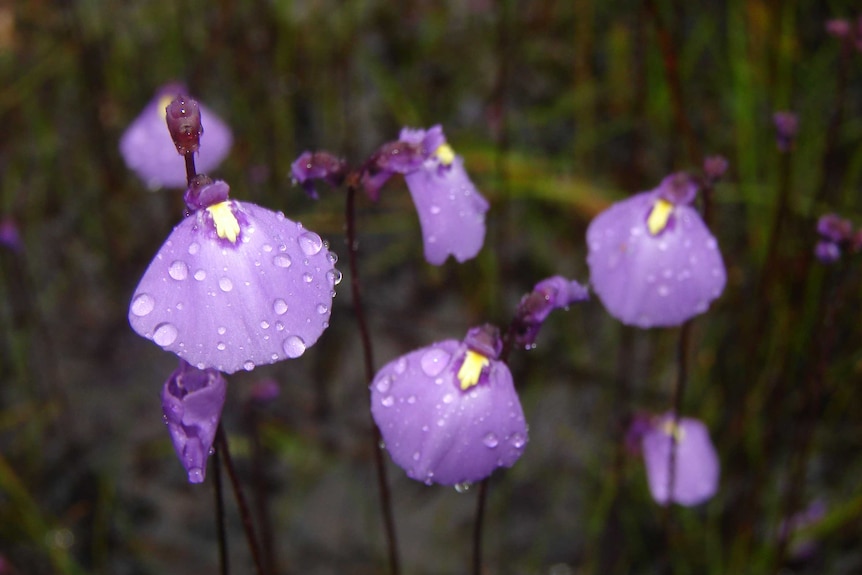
184	123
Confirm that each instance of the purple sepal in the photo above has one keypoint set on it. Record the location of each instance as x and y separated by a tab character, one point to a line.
230	305
317	166
651	279
149	151
192	401
203	192
549	294
438	432
696	465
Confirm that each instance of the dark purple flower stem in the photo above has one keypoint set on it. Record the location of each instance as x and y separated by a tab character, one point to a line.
242	504
224	565
368	359
481	497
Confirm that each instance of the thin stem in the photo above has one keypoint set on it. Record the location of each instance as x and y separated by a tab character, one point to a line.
224	565
190	167
368	357
242	504
481	498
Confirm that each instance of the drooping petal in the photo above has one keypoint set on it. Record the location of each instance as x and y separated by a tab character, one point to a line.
192	401
696	466
149	151
439	433
651	279
217	303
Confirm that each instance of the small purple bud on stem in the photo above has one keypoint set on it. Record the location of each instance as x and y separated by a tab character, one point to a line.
786	126
714	167
183	116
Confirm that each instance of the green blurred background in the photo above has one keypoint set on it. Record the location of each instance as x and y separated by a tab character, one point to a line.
559	108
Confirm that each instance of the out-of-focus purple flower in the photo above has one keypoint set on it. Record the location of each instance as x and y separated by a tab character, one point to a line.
714	167
549	294
798	528
192	401
836	234
264	391
696	466
652	261
449	413
827	252
835	228
235	285
9	235
786	126
149	150
451	209
839	27
317	166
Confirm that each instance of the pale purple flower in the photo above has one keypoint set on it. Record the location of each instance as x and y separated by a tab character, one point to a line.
555	292
192	401
827	252
449	413
9	235
451	209
235	285
834	228
652	261
696	465
149	150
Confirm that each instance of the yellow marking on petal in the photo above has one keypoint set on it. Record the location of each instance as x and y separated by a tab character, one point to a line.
163	104
227	226
470	370
445	154
677	432
659	216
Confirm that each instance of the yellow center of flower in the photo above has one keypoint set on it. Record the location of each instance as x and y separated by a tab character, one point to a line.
470	370
445	154
227	226
659	216
163	104
674	431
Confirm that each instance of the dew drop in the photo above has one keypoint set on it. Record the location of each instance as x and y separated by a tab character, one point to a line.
307	278
264	325
221	330
334	277
279	306
383	384
248	366
433	361
165	334
411	400
434	210
267	248
448	398
279	326
663	290
400	366
332	257
293	346
194	248
178	270
490	440
282	260
518	441
387	401
322	308
200	275
462	487
310	243
416	456
143	304
196	475
225	284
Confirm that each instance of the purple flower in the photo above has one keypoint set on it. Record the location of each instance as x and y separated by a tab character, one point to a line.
834	228
827	252
192	401
150	152
235	285
449	413
696	466
9	235
549	294
317	166
652	261
786	126
451	210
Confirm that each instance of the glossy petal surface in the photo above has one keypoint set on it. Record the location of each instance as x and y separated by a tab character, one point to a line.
232	306
696	466
192	401
439	433
149	151
651	280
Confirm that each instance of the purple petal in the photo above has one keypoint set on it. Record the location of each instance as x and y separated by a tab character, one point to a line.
227	306
149	151
653	280
451	211
439	433
192	402
696	466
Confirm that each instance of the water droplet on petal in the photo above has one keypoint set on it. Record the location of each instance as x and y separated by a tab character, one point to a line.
334	277
143	304
307	278
416	456
225	284
221	330
178	270
221	346
322	308
434	210
293	346
387	401
433	361
279	306
332	257
282	260
279	326
518	440
194	247
200	275
196	475
490	440
248	366
663	290
383	384
462	487
411	400
165	334
267	248
264	325
310	243
448	398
